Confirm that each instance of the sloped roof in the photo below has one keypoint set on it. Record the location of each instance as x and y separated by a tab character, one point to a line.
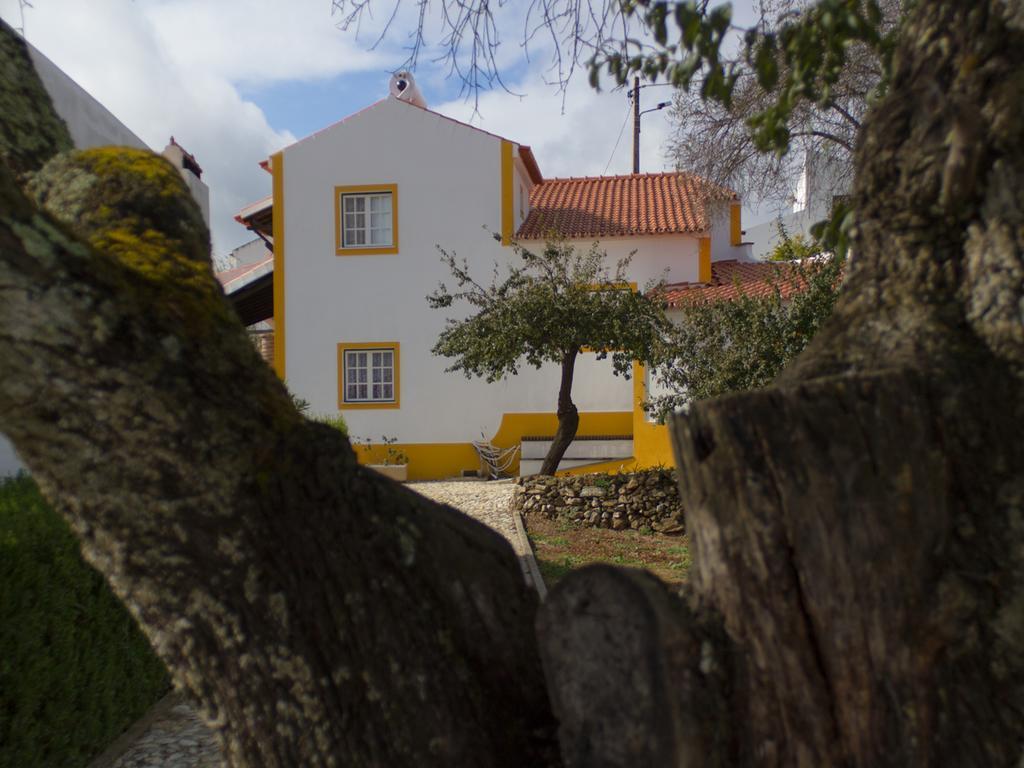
731	279
525	153
237	278
609	206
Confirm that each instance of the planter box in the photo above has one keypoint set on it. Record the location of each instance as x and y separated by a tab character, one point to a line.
398	472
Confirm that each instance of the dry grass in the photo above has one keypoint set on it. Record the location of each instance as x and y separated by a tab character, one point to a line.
561	545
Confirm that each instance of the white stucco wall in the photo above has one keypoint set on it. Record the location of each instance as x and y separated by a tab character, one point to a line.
449	194
90	123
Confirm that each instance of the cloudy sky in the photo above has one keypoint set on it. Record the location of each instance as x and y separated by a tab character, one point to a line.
235	80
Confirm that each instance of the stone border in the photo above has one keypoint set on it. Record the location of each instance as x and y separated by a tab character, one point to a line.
636	500
527	561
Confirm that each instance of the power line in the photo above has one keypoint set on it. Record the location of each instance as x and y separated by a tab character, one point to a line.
623	128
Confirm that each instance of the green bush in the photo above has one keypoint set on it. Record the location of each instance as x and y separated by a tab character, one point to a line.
337	421
75	671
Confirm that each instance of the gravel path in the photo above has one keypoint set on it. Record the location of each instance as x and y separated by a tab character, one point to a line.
487	501
172	735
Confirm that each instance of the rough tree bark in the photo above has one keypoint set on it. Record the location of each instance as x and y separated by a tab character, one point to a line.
318	613
568	417
857	528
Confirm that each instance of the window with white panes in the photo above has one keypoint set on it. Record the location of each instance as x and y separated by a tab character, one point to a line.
369	376
367	220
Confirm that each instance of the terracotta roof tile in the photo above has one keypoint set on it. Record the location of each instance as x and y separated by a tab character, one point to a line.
608	206
731	279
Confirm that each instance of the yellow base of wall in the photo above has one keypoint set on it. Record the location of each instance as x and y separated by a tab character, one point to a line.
436	461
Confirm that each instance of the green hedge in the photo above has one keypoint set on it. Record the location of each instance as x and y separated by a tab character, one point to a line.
75	671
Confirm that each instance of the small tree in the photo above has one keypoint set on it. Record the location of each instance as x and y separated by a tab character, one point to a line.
548	309
742	344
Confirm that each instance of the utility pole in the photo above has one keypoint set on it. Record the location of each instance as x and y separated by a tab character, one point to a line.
636	125
636	119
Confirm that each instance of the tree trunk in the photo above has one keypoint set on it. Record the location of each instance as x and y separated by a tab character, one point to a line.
568	417
857	597
317	613
858	528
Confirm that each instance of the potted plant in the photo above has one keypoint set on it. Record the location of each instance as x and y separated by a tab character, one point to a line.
396	461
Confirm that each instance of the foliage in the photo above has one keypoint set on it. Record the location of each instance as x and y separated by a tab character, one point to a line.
794	74
731	346
548	309
336	420
31	130
793	248
301	404
552	304
75	671
393	455
717	141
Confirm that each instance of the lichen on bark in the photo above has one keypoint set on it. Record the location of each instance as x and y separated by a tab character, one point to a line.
31	131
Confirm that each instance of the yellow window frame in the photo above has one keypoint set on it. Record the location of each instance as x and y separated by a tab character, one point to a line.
365	189
394	348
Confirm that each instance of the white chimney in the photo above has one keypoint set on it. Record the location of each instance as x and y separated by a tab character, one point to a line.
403	87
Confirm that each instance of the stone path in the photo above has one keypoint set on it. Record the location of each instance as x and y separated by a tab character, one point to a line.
171	735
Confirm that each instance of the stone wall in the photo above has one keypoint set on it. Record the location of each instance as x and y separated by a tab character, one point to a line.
648	499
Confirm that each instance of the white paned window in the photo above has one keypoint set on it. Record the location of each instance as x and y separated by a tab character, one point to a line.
369	376
367	220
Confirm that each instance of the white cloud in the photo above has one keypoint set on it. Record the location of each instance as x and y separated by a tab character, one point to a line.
172	68
573	136
168	67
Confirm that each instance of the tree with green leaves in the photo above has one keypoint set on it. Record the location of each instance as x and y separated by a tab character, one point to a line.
550	307
719	347
858	563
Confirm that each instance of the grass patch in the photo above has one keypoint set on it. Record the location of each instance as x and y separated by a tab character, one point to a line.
75	671
561	545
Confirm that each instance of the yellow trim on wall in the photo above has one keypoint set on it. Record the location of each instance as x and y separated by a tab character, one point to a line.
353	189
348	346
277	186
704	268
435	461
427	461
506	192
736	224
651	444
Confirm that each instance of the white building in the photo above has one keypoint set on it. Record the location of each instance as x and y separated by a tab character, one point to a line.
357	214
823	180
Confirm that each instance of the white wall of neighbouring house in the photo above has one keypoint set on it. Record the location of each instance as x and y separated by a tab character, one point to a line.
89	122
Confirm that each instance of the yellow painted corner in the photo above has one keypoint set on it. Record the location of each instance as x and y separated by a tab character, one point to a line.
736	224
506	192
704	274
652	446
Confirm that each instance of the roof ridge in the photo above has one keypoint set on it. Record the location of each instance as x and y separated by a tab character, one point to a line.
657	174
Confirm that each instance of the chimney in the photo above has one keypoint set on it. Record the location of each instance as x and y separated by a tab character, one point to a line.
403	87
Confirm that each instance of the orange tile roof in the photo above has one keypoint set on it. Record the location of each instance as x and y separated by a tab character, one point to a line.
731	279
608	206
